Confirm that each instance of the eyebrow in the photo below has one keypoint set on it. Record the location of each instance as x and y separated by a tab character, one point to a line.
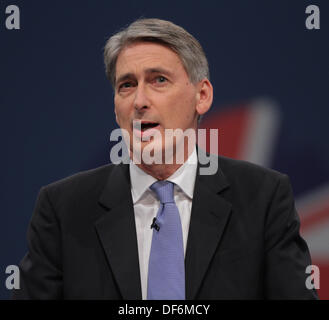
130	75
125	76
158	70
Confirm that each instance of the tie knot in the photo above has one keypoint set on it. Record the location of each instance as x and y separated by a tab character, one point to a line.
164	191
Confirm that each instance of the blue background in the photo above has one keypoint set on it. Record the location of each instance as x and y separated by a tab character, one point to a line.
57	105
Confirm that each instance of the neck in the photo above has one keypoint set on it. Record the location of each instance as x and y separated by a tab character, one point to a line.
159	171
163	171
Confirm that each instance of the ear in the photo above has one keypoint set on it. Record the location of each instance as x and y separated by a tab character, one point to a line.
204	96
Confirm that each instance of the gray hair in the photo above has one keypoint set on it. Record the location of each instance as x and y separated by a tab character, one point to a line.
159	31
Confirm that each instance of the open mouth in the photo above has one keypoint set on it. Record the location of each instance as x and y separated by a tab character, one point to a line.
145	129
144	125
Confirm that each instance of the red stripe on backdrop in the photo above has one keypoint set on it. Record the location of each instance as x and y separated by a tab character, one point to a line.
232	125
317	217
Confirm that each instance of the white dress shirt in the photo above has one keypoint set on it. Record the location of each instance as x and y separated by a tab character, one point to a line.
146	206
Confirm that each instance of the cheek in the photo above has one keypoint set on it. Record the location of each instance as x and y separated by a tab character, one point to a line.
116	111
121	111
186	110
181	114
182	101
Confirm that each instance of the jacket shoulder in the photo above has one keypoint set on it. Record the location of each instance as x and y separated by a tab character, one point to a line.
84	184
243	167
249	175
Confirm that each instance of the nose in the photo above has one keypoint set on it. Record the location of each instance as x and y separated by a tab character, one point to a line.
141	100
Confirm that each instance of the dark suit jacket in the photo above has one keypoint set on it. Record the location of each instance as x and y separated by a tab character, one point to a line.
243	240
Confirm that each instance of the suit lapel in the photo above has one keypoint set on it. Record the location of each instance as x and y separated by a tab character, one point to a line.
117	232
210	213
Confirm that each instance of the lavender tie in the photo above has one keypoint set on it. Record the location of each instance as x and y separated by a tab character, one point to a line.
166	273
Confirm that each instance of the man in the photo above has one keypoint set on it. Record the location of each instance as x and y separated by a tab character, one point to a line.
147	230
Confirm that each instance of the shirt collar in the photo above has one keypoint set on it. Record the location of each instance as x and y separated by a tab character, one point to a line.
184	178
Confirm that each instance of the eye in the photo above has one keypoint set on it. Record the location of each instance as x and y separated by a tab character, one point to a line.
161	79
125	85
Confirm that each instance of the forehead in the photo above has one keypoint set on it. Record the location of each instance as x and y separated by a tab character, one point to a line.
147	55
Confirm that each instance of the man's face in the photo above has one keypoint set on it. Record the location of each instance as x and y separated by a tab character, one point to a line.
153	89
